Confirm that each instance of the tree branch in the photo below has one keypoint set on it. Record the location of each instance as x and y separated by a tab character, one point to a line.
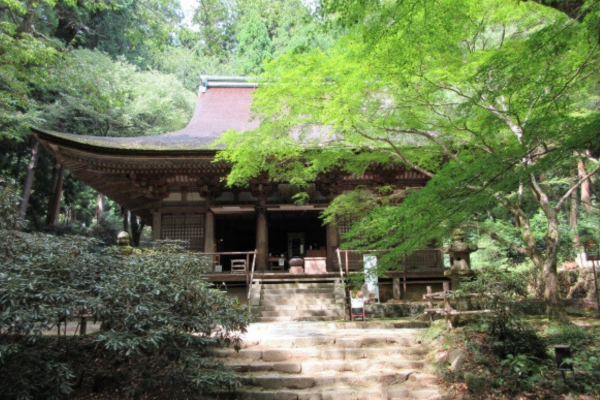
574	187
396	151
498	238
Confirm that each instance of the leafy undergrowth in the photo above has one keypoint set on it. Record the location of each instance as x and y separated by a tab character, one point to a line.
487	372
98	373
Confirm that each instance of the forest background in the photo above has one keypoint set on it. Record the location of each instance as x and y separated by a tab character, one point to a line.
499	98
124	68
495	101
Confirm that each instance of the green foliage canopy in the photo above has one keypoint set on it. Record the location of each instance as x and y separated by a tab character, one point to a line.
494	101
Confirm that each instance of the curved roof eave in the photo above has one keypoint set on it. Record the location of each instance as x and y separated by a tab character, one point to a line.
114	146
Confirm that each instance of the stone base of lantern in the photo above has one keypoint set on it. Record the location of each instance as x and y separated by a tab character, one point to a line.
459	276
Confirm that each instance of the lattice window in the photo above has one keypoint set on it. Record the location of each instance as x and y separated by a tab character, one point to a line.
188	228
426	259
355	260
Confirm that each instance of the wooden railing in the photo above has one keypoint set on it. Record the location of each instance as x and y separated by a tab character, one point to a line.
447	311
217	259
424	260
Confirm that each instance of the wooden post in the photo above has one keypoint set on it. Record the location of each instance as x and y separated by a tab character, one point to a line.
396	287
248	269
53	216
430	302
209	227
262	236
156	225
447	307
332	243
209	232
346	253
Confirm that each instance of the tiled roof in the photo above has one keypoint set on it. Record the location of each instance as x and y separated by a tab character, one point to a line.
218	109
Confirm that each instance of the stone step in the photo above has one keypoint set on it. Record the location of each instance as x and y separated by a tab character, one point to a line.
345	340
331	360
331	311
340	328
274	380
318	305
322	366
324	353
294	285
295	305
408	391
297	290
303	318
294	298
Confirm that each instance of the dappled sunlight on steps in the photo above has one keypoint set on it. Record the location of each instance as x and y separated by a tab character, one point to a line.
339	360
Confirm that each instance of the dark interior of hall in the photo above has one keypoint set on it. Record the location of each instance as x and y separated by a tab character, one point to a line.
290	233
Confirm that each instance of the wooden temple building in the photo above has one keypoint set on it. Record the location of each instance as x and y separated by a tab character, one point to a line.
172	182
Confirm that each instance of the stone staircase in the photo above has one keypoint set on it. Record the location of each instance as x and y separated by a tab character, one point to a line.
294	300
327	361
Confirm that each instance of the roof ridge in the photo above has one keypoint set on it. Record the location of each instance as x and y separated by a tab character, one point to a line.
208	81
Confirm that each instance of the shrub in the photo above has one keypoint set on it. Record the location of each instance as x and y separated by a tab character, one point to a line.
157	312
159	303
508	333
585	356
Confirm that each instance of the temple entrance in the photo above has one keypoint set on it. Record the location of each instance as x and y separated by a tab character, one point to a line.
236	232
291	234
298	234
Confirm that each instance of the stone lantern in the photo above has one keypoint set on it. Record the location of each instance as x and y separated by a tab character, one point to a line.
460	259
460	252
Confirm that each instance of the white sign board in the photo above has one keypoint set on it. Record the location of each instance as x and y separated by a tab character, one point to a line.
371	281
357	302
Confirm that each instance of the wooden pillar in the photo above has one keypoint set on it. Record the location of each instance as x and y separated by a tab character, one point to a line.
53	216
209	232
156	225
333	242
396	287
262	236
209	227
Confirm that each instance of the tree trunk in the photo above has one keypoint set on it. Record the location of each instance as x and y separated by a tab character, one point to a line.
35	154
573	219
52	218
585	186
137	226
547	260
100	204
554	307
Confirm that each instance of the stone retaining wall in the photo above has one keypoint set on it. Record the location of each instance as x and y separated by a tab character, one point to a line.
395	310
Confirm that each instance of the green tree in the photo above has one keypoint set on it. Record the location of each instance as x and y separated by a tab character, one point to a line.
34	37
215	20
493	101
254	44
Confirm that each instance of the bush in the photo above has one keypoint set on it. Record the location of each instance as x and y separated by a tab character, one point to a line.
159	303
157	312
105	231
508	333
585	356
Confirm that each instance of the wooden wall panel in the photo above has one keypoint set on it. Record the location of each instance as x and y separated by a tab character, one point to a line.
187	227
